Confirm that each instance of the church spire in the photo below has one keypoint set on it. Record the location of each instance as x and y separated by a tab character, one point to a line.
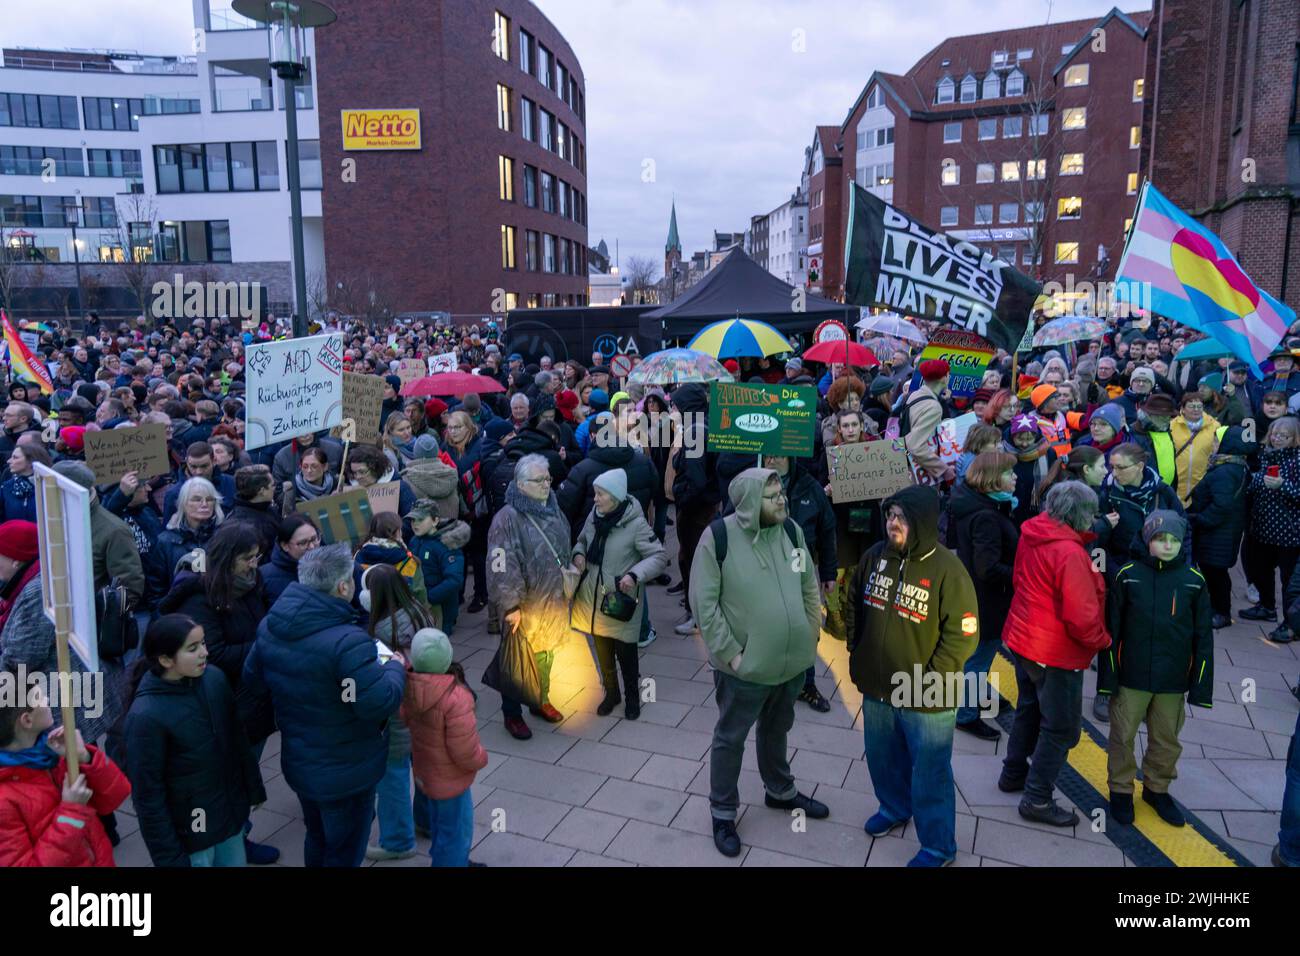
673	241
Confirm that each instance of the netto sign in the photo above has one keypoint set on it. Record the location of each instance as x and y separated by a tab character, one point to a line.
381	129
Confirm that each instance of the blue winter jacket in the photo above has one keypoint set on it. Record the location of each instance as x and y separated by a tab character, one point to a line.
331	696
224	484
442	559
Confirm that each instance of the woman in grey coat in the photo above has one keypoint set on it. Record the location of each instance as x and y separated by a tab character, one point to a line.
617	549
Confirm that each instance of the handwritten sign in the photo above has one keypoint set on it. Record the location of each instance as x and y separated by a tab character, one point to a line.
411	370
446	362
384	496
967	355
866	470
762	419
111	454
295	386
341	517
363	399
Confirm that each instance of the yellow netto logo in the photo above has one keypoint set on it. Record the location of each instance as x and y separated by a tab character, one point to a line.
381	129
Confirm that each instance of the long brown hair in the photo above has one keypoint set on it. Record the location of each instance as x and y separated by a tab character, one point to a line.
389	593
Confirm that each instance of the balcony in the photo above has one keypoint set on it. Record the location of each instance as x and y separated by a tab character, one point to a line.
236	100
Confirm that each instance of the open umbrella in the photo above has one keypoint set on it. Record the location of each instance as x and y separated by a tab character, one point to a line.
1070	328
676	366
849	353
734	338
894	325
1204	349
452	383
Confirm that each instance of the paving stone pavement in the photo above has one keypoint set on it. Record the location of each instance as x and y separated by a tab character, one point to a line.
605	791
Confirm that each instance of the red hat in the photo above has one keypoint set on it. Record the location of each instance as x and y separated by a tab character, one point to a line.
933	369
565	402
433	408
74	436
732	366
18	540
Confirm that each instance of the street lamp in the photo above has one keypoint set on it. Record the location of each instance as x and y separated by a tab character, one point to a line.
71	215
287	22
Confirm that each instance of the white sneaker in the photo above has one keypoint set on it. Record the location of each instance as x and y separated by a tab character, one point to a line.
648	639
687	627
1252	594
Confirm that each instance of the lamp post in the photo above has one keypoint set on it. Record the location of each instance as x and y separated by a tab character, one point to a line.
71	215
287	21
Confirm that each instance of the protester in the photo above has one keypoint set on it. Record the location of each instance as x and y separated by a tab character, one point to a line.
431	474
296	535
464	448
1217	512
197	516
18	493
384	545
254	507
285	464
695	491
920	421
439	547
199	464
1272	542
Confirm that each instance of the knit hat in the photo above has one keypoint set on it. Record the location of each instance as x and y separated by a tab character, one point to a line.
433	408
1023	423
18	540
619	397
88	392
933	369
394	382
732	366
1142	372
614	482
881	384
1159	404
598	399
77	471
497	429
1041	394
430	651
74	436
426	446
565	402
1164	522
423	508
1214	381
1112	415
982	395
794	363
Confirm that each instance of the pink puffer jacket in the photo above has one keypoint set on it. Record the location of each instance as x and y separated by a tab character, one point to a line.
445	749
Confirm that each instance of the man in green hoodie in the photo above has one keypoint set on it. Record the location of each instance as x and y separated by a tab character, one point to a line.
913	620
753	587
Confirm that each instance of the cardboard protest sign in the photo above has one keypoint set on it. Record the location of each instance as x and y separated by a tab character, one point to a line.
295	386
341	517
762	419
363	399
446	362
111	454
384	496
411	370
866	471
967	355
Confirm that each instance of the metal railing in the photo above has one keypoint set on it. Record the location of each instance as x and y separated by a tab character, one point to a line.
237	99
185	66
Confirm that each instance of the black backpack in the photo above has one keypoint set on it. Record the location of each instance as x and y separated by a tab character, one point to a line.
118	632
905	417
719	529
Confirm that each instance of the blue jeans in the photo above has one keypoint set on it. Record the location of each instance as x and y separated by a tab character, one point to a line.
909	757
1289	835
978	664
451	828
226	853
337	830
396	820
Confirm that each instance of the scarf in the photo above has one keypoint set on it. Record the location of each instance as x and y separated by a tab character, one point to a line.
307	491
242	584
1143	495
1118	439
1219	459
604	525
142	540
38	756
1027	454
22	488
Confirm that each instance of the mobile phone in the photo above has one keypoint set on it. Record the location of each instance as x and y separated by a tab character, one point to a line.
383	652
1274	471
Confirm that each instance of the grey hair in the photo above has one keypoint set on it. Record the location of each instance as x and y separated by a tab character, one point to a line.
321	569
192	487
542	379
1072	503
520	397
528	464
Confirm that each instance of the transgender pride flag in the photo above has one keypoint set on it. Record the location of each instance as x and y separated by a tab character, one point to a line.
1179	269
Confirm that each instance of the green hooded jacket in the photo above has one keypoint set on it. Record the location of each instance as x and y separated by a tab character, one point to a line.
763	599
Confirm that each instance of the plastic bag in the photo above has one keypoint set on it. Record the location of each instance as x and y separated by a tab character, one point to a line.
513	672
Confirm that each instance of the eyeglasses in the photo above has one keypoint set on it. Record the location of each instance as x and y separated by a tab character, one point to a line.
309	542
1193	407
546	480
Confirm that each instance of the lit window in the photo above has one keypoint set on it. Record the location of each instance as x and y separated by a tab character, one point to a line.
951	173
1134	137
1011	171
983	172
988	129
501	36
1132	184
952	132
1008	212
1011	127
1072	164
507	247
503	107
1067	252
506	175
1128	225
948	216
1036	169
983	214
1076	75
1139	90
1069	207
1074	118
944	93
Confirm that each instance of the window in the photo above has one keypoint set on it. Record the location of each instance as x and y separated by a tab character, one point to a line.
1075	117
862	139
1033	211
1000	58
531	250
507	247
548	192
952	132
1016	83
1011	127
1071	164
885	174
545	67
34	160
105	112
526	51
1076	75
991	88
548	254
1026	54
984	172
503	107
243	172
218	167
1036	169
527	120
968	86
501	35
884	136
309	172
1007	254
1069	207
1134	137
564	193
944	92
191	166
1139	90
988	129
950	175
948	216
114	162
506	177
1038	124
562	147
100	212
1067	252
546	130
268	165
32	110
1011	171
1132	184
530	187
875	98
983	214
167	167
1031	258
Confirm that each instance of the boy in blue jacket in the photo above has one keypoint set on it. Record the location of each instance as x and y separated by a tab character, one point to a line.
439	547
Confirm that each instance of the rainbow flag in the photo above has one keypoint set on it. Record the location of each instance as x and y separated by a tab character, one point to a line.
1176	267
21	361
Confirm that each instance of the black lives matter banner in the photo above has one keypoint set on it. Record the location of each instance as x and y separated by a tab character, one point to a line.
894	262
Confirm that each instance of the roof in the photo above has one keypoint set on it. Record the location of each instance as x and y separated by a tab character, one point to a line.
673	241
829	136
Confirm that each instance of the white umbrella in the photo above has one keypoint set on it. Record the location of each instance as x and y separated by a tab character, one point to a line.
893	325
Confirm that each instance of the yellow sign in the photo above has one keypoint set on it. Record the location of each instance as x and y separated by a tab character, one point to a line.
381	129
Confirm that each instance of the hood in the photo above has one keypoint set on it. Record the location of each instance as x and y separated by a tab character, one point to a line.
614	456
185	586
530	441
691	397
453	533
746	493
965	501
376	551
1233	443
921	505
431	478
281	559
302	612
1042	530
424	691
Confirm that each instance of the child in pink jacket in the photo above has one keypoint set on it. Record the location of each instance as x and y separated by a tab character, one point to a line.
445	751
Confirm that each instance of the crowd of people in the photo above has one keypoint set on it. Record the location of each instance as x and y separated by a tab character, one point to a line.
1088	514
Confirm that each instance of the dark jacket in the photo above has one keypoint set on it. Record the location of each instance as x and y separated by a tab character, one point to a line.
442	561
263	519
172	545
332	698
186	751
1218	508
1275	512
577	496
224	484
529	441
1133	505
982	533
146	527
695	483
16	505
277	574
909	610
228	632
285	463
1158	615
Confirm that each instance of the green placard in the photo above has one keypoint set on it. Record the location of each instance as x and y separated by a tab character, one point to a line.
762	419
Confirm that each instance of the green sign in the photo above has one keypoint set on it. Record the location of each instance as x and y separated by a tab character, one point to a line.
762	419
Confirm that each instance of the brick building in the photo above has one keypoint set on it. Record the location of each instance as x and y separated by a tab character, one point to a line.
827	188
491	212
1221	131
1024	142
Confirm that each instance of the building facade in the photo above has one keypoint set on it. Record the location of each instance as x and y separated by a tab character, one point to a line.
756	240
787	240
1222	127
824	169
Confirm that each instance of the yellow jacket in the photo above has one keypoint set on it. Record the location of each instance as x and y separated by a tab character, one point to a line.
1193	453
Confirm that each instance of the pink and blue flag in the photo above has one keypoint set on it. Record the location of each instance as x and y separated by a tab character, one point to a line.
1179	269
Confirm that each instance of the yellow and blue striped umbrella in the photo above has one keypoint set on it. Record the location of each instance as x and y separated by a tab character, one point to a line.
736	338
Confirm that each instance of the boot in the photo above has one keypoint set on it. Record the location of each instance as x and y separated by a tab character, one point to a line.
1164	805
612	699
1121	807
628	664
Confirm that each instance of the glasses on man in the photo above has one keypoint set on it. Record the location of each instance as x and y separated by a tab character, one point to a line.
544	480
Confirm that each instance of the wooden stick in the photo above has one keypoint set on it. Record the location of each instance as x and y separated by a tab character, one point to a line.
343	465
62	626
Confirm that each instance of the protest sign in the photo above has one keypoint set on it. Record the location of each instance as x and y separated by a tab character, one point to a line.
111	454
411	370
961	426
67	563
341	517
295	386
762	419
384	497
866	470
446	362
363	399
967	355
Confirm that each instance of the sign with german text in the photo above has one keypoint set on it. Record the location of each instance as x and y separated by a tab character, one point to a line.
295	386
446	362
111	454
363	399
967	355
762	419
411	370
381	129
866	471
384	496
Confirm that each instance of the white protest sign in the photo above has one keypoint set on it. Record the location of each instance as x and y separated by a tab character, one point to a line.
446	362
866	471
961	426
67	562
294	386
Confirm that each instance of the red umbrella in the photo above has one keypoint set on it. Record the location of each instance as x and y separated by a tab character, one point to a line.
848	353
452	383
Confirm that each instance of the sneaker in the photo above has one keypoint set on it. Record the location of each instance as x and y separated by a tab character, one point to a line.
547	712
1101	708
980	729
930	860
475	606
879	825
649	638
1281	635
813	809
1258	613
1277	856
677	588
811	696
260	854
1121	807
379	853
1008	784
516	727
1252	594
1164	805
1220	621
686	628
1050	813
725	838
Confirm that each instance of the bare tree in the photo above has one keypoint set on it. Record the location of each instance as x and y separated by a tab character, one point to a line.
639	276
13	256
360	293
131	237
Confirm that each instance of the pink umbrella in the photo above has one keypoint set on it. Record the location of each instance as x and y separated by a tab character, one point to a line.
452	383
849	353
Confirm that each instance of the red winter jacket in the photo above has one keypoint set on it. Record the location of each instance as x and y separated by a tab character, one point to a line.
445	749
1058	608
37	828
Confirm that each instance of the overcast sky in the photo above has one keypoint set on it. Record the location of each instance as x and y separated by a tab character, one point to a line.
711	100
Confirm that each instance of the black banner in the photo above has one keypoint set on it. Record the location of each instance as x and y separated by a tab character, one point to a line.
895	262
